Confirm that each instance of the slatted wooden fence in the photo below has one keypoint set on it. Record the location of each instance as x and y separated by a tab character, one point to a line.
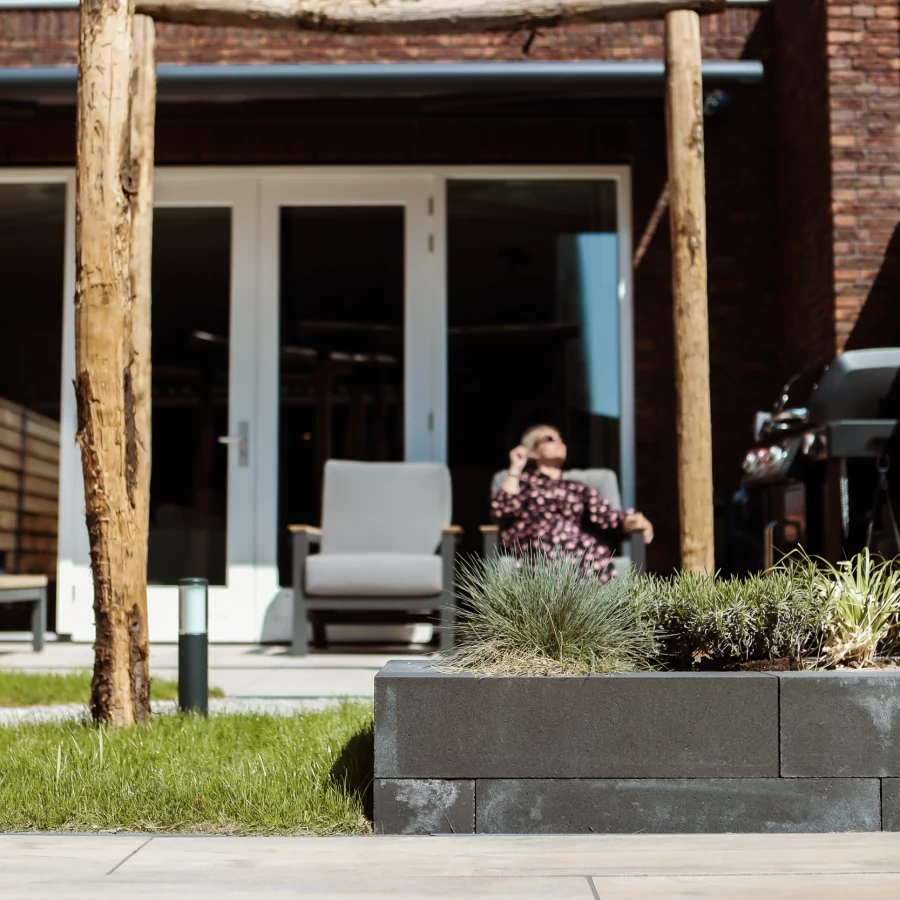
29	490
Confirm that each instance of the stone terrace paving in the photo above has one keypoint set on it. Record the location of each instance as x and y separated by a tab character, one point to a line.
562	868
263	678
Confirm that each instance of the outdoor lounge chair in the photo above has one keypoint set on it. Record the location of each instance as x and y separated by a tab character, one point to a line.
382	524
632	551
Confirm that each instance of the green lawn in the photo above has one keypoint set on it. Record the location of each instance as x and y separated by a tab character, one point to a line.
226	774
47	688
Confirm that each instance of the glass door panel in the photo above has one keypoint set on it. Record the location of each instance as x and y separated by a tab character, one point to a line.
341	349
533	315
191	336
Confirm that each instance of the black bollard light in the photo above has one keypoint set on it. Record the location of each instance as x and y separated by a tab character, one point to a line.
193	645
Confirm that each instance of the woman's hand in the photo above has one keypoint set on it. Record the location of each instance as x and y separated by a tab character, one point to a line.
639	522
518	457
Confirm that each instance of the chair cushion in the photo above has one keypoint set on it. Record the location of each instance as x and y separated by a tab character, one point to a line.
374	575
384	507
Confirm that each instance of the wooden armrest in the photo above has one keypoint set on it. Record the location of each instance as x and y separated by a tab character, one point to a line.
489	529
22	582
305	529
452	529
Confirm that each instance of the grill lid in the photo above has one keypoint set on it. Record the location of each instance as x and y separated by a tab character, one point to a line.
855	385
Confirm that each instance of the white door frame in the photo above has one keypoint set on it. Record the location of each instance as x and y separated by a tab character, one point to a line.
424	358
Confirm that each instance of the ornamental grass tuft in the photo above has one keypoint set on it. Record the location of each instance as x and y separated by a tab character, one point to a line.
862	597
546	617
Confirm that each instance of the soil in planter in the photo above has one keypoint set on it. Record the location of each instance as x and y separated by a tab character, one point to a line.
785	664
782	664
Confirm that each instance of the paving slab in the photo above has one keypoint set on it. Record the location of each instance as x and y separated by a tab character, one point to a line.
47	867
334	887
240	670
192	858
77	857
751	887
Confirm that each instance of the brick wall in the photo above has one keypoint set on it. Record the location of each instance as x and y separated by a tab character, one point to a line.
863	50
741	148
803	172
51	38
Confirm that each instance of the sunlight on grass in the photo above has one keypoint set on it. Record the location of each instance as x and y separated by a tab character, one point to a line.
49	688
226	774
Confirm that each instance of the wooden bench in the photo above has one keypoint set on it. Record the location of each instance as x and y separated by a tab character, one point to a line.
28	589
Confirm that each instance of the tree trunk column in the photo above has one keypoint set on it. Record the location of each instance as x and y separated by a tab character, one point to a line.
104	356
687	220
143	133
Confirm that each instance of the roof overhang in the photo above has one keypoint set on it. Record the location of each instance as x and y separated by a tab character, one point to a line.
230	83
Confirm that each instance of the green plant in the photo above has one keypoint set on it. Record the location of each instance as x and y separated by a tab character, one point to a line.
545	616
728	620
863	603
222	774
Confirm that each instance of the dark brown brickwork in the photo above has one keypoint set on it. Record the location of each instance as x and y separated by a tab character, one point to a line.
863	48
803	170
741	164
51	38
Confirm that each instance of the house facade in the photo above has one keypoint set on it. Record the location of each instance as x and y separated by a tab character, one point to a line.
412	248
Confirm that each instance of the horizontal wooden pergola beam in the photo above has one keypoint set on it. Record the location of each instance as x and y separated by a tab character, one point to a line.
412	16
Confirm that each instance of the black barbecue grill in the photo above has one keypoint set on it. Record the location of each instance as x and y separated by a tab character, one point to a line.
818	475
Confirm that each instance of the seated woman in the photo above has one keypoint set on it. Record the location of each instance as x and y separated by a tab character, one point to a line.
536	509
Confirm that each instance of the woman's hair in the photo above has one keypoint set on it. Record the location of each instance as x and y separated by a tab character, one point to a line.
533	434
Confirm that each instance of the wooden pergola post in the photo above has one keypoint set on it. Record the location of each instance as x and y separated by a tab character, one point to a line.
687	222
113	212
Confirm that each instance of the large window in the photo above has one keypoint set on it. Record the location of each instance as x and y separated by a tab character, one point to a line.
533	315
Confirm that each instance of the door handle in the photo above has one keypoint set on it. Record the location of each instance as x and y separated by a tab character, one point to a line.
242	441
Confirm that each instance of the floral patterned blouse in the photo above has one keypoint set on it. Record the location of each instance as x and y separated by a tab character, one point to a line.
559	517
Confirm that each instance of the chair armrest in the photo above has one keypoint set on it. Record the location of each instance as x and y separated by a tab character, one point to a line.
452	529
638	551
302	538
490	534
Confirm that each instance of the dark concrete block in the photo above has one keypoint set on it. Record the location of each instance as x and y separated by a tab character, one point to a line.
424	806
672	806
836	724
890	804
648	725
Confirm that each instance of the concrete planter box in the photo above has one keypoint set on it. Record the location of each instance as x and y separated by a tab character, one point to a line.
652	752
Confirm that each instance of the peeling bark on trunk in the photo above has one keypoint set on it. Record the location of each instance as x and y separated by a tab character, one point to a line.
106	380
687	223
412	16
